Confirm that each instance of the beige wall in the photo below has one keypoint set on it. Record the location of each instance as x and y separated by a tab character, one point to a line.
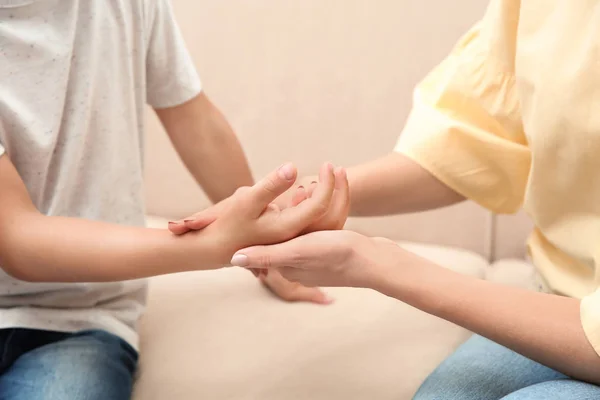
316	80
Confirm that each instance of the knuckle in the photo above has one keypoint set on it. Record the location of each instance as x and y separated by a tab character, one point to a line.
293	259
265	260
273	207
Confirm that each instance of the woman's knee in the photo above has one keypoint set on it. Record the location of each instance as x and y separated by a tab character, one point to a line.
481	369
557	389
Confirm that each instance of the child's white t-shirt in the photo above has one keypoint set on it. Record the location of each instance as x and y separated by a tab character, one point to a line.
76	75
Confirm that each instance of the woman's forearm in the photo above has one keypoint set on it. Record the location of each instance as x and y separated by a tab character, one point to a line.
395	184
543	327
56	249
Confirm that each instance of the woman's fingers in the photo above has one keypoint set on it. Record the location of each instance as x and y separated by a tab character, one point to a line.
340	202
299	252
336	215
297	218
311	188
293	292
299	196
263	257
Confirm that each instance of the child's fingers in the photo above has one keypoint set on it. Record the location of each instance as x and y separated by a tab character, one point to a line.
299	196
311	189
269	188
336	215
195	222
178	227
200	220
297	218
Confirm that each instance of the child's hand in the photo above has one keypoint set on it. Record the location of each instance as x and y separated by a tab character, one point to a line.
249	218
333	219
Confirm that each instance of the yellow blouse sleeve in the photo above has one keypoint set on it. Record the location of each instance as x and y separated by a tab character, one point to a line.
590	318
465	126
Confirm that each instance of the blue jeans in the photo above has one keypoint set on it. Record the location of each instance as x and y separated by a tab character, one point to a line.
90	365
483	370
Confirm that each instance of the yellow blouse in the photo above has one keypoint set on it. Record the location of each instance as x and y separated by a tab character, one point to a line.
512	119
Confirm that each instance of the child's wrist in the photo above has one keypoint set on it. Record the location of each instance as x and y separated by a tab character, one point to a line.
213	249
193	251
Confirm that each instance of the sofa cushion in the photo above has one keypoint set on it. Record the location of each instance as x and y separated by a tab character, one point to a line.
518	273
220	335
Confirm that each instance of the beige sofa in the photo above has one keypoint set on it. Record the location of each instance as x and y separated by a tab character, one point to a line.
310	81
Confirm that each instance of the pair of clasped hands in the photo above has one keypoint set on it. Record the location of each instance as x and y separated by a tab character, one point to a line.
271	212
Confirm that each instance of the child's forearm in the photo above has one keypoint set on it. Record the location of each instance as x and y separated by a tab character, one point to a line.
39	248
57	249
208	147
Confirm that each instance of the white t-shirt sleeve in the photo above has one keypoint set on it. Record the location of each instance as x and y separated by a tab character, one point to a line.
171	77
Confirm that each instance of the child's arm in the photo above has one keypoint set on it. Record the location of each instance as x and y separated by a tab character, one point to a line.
208	146
35	247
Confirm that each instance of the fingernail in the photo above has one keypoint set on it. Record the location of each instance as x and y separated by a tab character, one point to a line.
189	220
239	260
313	183
286	171
174	222
300	187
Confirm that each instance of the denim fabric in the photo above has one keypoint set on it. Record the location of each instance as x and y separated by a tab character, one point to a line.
90	365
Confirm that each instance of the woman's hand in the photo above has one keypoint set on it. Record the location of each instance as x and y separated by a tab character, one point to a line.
327	258
543	327
334	219
336	216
